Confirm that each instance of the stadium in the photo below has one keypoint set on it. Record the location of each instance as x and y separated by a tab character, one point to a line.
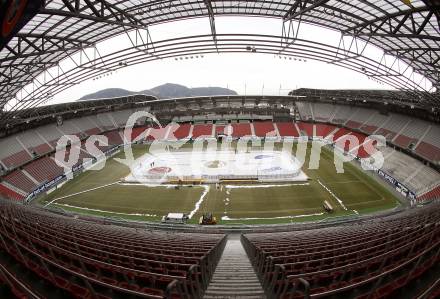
313	193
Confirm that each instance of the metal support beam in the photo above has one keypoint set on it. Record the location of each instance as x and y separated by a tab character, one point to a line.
300	7
288	33
434	3
41	45
211	20
103	12
353	51
407	33
141	40
399	35
392	23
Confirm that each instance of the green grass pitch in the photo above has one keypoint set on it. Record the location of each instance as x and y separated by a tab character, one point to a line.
359	192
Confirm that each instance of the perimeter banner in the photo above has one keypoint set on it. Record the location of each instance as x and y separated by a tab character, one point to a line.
14	14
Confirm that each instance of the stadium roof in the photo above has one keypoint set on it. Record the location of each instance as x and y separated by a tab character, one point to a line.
357	95
406	30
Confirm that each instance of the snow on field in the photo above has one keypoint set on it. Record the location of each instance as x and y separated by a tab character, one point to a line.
211	166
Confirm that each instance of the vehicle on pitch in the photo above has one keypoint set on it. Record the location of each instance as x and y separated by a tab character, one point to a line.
328	207
207	219
177	218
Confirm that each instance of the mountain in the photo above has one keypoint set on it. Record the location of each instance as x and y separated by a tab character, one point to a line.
164	91
169	90
107	93
210	91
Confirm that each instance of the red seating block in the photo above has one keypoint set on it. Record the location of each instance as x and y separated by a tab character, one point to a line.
220	129
42	149
44	169
21	181
136	132
241	130
287	129
341	132
202	130
353	124
306	128
389	135
114	138
94	131
368	129
432	194
264	128
323	130
79	291
16	159
428	151
404	141
61	282
362	153
182	131
10	194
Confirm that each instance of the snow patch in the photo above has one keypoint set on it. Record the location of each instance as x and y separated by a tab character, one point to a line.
199	202
262	186
104	211
334	196
226	218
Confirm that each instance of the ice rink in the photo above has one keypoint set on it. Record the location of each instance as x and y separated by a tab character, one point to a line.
212	166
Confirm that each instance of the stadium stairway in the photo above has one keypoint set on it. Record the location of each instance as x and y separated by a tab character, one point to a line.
234	276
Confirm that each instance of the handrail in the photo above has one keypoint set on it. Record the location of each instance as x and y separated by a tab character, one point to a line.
112	253
8	275
371	278
433	287
77	274
170	287
367	260
136	251
385	236
89	241
81	257
272	258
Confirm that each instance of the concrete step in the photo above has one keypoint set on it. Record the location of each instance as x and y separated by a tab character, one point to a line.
241	262
229	297
234	276
238	287
233	270
228	288
233	281
234	273
237	258
235	285
234	293
227	267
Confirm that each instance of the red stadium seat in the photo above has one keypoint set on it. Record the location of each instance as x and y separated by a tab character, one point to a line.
202	130
404	141
17	159
306	128
323	130
241	130
341	260
264	128
353	124
428	151
287	129
9	193
182	131
108	259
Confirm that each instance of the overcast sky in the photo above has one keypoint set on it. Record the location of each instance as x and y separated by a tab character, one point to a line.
249	73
